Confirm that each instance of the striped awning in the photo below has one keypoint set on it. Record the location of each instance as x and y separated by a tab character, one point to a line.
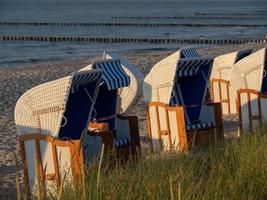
113	74
189	53
190	67
82	78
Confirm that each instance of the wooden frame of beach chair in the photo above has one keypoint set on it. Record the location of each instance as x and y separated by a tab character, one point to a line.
250	109
223	95
219	83
56	160
248	79
167	129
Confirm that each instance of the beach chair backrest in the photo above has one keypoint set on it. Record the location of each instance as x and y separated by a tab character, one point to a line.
49	108
220	85
250	73
190	86
113	78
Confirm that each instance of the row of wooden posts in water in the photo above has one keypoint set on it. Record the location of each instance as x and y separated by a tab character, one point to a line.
132	24
192	17
127	40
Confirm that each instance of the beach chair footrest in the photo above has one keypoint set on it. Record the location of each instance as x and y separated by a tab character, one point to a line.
201	125
121	142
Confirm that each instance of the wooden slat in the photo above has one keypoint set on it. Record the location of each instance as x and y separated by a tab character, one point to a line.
39	158
149	130
77	167
181	129
239	109
159	128
56	167
249	111
259	109
218	121
168	128
228	98
25	172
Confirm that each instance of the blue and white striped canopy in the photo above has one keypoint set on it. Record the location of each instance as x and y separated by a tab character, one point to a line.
113	74
186	67
189	53
190	83
84	77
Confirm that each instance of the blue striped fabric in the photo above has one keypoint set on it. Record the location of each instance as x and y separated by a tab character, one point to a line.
189	72
192	63
199	126
82	78
177	99
113	74
121	142
190	67
189	53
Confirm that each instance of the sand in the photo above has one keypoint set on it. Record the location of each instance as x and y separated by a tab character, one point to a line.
17	80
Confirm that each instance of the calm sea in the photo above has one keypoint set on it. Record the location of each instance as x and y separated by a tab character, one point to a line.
103	11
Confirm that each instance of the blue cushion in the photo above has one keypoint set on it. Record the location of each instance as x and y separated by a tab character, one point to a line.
121	142
199	126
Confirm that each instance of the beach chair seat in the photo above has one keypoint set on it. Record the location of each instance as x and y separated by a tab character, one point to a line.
249	87
178	117
219	82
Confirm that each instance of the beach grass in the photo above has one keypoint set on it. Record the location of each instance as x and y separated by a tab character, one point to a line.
235	169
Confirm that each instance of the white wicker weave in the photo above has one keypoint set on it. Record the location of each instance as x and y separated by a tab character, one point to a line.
221	69
41	109
248	73
161	75
223	64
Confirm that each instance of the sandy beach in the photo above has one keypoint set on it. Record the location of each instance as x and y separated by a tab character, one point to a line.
16	80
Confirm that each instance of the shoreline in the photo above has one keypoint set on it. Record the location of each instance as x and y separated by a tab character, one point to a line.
76	59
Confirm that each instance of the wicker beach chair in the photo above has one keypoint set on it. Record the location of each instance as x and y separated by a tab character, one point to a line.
249	85
220	84
107	111
178	117
52	120
129	94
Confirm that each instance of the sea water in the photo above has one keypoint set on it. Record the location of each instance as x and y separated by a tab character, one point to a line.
106	11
